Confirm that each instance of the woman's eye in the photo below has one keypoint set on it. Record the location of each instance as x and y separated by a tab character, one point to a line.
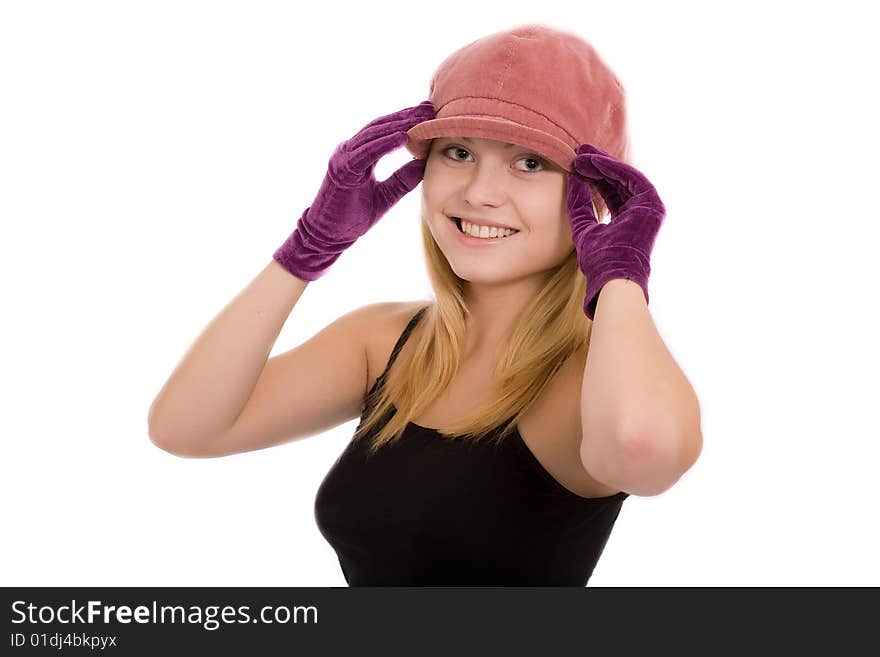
537	160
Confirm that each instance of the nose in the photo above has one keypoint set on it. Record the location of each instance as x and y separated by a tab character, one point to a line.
486	182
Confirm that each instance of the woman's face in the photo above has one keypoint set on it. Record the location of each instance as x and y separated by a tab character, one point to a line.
496	183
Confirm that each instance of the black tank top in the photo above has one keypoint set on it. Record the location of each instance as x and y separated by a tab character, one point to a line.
426	511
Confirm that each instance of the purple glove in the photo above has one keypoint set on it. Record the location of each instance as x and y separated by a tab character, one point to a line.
351	200
621	248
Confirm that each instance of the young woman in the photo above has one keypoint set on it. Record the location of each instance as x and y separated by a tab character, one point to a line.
500	429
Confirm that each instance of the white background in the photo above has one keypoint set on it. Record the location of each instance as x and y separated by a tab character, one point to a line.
153	155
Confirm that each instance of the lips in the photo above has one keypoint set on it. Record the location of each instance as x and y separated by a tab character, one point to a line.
458	220
481	243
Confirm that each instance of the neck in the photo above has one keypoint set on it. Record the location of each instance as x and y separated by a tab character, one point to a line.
494	308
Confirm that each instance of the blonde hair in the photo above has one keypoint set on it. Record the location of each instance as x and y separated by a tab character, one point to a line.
550	328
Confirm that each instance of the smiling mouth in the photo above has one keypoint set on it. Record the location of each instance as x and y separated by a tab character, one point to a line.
457	221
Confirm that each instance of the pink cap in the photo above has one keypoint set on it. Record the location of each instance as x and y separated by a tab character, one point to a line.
534	86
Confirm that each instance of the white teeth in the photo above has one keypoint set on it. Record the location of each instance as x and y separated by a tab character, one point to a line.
484	231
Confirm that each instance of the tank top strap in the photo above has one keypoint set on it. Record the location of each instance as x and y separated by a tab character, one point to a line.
399	345
405	335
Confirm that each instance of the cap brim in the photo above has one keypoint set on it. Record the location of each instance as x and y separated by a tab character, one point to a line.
544	144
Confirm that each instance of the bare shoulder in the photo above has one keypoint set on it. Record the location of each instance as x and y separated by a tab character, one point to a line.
391	317
382	327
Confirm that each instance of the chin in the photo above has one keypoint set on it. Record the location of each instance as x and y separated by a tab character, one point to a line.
481	274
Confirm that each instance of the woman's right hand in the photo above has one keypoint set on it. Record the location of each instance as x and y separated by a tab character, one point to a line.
351	200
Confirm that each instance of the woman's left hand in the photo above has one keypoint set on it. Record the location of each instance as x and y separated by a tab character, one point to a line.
621	248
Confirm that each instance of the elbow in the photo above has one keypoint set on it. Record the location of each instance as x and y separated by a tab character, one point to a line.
172	446
163	443
643	464
158	436
176	450
156	433
163	438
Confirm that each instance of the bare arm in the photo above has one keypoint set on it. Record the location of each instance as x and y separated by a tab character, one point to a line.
211	385
640	415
